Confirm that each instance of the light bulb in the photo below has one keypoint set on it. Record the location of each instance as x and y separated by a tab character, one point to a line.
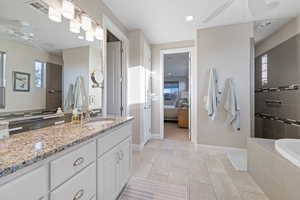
86	22
89	36
74	26
54	14
99	33
68	9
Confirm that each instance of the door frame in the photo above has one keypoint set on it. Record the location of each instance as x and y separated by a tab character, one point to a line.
192	90
109	25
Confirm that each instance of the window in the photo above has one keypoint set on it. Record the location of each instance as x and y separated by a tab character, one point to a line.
39	74
264	69
171	90
2	68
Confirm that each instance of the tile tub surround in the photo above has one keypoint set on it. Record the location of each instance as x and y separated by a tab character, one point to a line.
277	176
24	149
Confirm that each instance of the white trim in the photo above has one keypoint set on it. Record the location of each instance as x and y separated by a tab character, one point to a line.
157	136
192	85
109	25
137	147
222	148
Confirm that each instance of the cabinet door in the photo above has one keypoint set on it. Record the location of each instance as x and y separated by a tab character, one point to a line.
108	175
125	161
31	186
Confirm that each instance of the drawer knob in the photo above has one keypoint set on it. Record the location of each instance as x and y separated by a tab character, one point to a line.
79	194
78	161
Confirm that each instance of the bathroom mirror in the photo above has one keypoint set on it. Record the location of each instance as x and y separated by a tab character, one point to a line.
41	58
277	67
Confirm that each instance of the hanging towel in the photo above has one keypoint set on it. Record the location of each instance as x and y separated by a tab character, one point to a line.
80	98
212	95
231	104
69	101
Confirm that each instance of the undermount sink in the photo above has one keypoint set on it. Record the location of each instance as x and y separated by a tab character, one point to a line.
99	122
289	149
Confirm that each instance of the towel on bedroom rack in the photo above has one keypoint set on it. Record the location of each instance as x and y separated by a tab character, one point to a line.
231	104
212	94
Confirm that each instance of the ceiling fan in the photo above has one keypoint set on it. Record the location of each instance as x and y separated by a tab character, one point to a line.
256	7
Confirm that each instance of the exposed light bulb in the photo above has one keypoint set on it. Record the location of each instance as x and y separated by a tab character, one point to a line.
99	33
86	22
74	26
89	36
54	14
68	9
189	18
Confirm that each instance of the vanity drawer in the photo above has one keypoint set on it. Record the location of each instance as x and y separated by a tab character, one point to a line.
80	187
108	142
66	166
33	186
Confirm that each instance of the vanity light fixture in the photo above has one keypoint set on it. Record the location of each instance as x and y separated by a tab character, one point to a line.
89	36
68	9
75	26
86	22
99	33
54	14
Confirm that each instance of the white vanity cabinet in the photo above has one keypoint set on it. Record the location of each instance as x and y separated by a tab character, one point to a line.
97	170
31	186
114	171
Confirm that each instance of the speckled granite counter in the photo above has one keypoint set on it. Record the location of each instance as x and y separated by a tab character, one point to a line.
24	149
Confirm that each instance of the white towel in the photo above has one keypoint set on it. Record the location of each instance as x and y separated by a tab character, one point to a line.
212	95
69	101
80	97
231	104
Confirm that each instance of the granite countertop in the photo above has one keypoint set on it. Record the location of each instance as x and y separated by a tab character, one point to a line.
24	149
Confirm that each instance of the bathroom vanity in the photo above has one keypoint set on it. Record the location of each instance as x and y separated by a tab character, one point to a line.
87	162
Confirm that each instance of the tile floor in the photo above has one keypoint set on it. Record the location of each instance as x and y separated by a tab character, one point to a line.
172	132
207	173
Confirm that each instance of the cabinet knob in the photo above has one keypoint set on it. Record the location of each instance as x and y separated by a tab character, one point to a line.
78	195
78	161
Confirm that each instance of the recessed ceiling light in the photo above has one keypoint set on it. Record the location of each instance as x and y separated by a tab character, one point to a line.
80	37
189	18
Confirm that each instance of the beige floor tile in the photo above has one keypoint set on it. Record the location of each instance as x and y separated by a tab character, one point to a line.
253	196
224	187
207	172
201	191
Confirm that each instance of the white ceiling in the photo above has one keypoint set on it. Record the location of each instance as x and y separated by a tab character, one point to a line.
164	20
274	25
176	65
48	35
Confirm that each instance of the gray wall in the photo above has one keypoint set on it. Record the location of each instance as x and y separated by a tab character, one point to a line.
283	69
227	49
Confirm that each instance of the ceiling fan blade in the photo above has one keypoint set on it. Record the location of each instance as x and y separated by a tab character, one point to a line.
218	11
258	7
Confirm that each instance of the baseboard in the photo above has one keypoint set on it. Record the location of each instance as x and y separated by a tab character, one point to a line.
156	136
222	148
137	147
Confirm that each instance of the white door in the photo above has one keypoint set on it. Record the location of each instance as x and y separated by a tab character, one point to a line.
148	99
108	175
124	165
114	78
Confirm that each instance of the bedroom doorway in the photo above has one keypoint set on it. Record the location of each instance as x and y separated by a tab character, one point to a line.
176	95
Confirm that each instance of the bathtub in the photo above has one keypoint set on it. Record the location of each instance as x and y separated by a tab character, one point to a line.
289	149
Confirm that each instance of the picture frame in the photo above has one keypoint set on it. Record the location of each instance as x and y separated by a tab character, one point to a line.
21	82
